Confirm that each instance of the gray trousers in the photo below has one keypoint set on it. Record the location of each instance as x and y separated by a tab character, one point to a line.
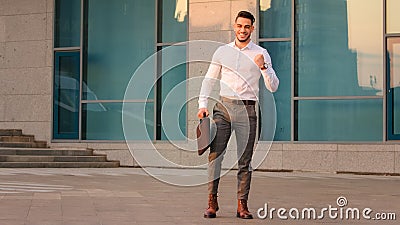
242	119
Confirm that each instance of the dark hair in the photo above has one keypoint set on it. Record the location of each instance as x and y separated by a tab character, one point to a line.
247	15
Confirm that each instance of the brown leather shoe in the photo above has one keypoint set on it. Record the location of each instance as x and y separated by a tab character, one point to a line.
211	211
242	210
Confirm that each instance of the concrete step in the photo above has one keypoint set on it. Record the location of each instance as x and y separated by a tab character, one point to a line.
46	151
10	132
35	144
20	138
36	158
22	151
110	164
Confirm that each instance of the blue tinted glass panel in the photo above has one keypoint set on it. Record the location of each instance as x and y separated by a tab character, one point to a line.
340	120
173	93
396	111
120	36
173	21
339	48
275	18
280	53
393	85
66	95
67	27
103	121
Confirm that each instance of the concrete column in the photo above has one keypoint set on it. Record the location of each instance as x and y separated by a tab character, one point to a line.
210	20
26	66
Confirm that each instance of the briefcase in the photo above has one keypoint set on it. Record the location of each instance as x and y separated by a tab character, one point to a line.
203	135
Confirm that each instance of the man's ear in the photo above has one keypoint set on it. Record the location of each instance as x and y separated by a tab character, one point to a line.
252	28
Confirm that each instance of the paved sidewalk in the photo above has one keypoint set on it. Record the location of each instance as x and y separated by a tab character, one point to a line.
125	196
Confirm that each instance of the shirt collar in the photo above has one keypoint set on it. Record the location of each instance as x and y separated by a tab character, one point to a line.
248	46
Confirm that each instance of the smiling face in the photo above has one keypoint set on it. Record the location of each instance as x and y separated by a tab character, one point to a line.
243	29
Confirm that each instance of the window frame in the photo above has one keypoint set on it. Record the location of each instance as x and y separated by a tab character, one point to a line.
157	45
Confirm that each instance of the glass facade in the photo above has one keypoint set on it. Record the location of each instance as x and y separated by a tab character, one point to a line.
338	75
66	85
337	64
340	120
118	36
393	85
275	19
66	95
67	23
275	35
171	100
280	53
172	16
110	115
393	69
333	57
117	44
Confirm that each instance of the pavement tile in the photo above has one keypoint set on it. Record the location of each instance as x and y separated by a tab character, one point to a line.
44	222
12	222
47	196
129	196
82	222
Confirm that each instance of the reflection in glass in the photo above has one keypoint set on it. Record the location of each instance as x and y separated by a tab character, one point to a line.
275	17
173	26
103	121
67	27
392	16
66	95
120	36
340	120
338	48
171	109
280	53
394	85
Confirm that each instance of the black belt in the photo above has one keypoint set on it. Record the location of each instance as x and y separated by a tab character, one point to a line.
238	101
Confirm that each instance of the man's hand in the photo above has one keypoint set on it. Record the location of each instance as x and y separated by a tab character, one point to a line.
259	60
201	112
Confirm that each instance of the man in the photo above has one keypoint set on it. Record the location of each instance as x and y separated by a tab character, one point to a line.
238	66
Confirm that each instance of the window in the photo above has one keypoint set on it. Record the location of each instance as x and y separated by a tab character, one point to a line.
110	49
171	74
338	71
275	36
66	86
334	92
66	94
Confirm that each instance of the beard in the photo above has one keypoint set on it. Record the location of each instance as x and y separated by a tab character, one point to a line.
244	40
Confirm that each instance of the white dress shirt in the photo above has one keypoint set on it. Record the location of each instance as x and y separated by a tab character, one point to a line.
238	74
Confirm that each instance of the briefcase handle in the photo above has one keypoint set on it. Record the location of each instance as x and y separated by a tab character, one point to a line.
204	115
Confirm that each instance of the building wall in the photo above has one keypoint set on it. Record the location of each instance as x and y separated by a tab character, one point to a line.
26	71
26	66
